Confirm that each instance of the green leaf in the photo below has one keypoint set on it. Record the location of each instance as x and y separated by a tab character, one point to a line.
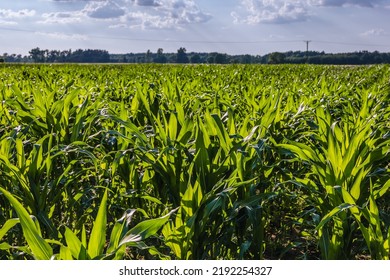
41	250
180	113
75	246
80	117
7	226
84	237
65	253
120	228
335	211
98	234
5	246
302	151
172	131
145	229
250	135
357	185
379	193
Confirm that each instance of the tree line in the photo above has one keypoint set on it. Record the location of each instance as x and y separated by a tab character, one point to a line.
182	56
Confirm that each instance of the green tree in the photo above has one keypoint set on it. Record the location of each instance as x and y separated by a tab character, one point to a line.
148	56
161	58
37	55
246	59
210	59
195	58
5	56
220	58
181	56
276	58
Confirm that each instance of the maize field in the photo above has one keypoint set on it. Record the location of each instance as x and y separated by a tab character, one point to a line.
194	162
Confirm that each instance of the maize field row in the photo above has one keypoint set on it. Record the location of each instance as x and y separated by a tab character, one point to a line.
194	162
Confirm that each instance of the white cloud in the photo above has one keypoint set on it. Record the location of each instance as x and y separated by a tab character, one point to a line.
10	17
184	12
282	11
148	21
16	14
375	32
144	14
162	14
103	10
272	11
92	9
62	17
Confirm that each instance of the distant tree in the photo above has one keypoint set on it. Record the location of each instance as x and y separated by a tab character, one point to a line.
295	57
148	56
37	55
211	59
160	58
53	56
246	59
89	56
276	58
195	58
13	57
64	55
181	56
220	58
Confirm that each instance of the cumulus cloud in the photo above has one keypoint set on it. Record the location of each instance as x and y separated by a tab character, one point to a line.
184	12
62	17
155	14
93	9
282	11
272	11
11	17
103	10
161	14
16	14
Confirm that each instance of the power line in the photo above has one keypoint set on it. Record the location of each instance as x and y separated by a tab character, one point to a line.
191	41
205	41
352	44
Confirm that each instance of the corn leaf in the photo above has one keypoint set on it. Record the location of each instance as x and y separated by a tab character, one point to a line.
41	250
98	233
145	229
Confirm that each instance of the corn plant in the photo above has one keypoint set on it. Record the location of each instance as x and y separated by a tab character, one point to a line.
256	161
343	159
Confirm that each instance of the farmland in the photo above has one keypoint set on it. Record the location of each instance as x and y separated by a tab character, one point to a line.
194	162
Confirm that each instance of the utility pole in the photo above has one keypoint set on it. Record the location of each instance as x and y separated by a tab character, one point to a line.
307	50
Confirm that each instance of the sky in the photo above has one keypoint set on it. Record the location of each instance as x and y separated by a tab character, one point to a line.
254	27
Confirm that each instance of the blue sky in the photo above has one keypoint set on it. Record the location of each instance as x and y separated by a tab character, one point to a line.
228	26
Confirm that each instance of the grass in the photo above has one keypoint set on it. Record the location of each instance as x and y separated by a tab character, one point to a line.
194	162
